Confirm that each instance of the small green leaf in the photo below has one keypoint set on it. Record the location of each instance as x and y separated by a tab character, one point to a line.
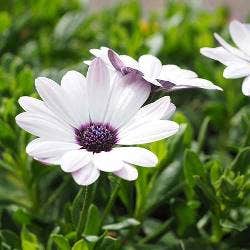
242	161
29	240
93	221
192	167
80	245
61	242
166	180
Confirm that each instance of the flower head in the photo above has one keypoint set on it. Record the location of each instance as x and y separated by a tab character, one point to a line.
84	123
169	77
236	60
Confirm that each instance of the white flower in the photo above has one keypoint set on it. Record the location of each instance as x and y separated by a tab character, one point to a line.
236	60
83	123
169	77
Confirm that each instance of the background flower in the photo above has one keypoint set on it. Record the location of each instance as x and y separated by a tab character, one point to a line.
236	60
170	77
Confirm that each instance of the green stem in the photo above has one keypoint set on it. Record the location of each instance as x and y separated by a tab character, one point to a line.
83	212
111	201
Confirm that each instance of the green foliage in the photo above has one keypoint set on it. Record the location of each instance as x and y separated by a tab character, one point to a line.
197	197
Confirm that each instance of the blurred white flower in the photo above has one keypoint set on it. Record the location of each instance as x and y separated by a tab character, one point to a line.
169	77
83	123
236	60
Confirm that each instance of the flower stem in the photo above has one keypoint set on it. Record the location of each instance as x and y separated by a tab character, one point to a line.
111	201
83	213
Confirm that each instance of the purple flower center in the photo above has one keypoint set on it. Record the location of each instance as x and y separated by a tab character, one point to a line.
96	137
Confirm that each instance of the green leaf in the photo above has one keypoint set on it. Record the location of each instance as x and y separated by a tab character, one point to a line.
226	223
61	242
29	240
242	161
130	222
163	184
202	133
80	245
10	238
192	167
93	221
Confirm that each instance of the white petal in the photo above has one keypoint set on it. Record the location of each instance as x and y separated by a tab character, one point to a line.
107	161
74	160
55	98
98	85
42	149
137	156
128	172
33	105
74	85
150	66
198	83
153	111
87	62
222	55
86	175
45	127
240	35
129	62
183	78
230	48
148	132
237	70
246	86
170	111
128	94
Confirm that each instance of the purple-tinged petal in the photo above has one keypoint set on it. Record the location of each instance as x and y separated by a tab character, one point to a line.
115	60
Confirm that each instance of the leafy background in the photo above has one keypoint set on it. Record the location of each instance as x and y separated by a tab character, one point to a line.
198	195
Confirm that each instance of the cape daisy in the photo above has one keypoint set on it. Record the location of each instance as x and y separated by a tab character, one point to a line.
169	77
236	60
84	123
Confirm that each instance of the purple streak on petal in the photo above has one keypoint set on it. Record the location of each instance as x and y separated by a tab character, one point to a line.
169	86
115	60
127	70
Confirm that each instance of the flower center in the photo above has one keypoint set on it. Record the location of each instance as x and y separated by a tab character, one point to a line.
96	137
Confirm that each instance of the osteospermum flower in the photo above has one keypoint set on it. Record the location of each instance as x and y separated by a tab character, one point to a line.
83	124
236	60
169	77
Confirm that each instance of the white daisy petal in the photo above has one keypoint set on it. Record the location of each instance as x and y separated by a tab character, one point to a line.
129	62
246	86
55	99
127	96
74	160
237	70
137	156
222	55
153	111
240	35
107	161
150	66
74	85
230	48
198	83
98	85
148	132
43	149
45	127
86	175
128	172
